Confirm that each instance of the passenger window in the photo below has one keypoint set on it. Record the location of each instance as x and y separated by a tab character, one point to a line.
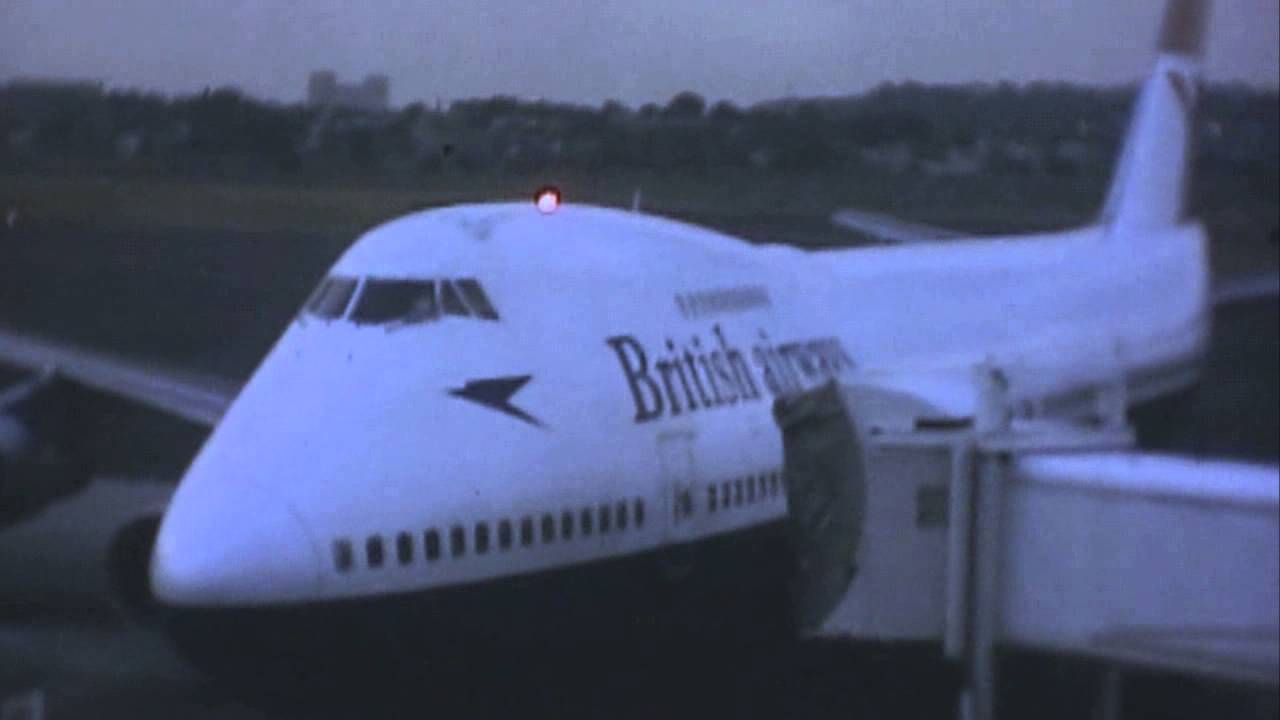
526	531
450	301
724	493
639	512
482	538
373	552
475	297
504	534
622	515
342	555
605	517
585	518
457	541
566	525
773	483
737	491
431	544
406	301
751	488
711	498
404	548
548	528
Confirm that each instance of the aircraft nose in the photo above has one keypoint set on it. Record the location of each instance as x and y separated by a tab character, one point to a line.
211	554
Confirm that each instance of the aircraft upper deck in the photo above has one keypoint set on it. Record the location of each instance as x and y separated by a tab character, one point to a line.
459	237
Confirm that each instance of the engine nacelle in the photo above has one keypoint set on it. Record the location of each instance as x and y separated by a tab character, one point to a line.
41	456
129	569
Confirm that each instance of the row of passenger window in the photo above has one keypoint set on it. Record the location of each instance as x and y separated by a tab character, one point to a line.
503	535
744	490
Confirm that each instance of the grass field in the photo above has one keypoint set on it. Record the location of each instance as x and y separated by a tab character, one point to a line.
983	203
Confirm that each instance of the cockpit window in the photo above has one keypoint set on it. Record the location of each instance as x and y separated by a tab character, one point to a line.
450	301
402	301
330	300
475	297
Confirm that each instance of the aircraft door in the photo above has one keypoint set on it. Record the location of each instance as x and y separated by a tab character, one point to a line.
679	475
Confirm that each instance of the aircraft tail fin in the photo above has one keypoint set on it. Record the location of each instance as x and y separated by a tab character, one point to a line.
1148	190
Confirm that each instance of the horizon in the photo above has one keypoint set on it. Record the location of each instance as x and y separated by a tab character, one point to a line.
1127	86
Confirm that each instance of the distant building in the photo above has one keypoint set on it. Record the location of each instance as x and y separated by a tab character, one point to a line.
129	144
960	160
373	94
896	157
1016	154
1077	154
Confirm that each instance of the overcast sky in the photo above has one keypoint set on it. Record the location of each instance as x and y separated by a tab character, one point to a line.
591	50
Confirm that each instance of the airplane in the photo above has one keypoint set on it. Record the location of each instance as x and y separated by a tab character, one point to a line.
543	421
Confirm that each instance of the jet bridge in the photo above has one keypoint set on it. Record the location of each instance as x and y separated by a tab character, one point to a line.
1009	527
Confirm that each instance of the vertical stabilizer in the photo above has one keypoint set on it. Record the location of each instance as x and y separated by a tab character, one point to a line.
1149	187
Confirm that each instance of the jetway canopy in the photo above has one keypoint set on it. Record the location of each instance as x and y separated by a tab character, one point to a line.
826	499
871	550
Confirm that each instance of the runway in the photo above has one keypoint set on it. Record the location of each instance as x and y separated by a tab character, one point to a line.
213	302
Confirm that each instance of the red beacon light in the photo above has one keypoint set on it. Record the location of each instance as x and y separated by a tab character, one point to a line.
547	199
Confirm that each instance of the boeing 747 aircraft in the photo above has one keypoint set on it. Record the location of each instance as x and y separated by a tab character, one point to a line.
541	419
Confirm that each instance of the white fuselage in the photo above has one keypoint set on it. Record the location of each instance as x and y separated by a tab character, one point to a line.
349	435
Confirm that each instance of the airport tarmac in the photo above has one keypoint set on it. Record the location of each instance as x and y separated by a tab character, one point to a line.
214	301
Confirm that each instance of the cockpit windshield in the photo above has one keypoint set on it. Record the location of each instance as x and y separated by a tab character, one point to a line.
403	301
406	301
330	300
398	301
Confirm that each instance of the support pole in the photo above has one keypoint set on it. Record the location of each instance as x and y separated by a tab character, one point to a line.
985	609
1111	702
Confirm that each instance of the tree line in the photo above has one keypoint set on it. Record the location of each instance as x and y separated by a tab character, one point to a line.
1007	128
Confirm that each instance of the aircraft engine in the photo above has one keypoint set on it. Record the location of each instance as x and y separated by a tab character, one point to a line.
40	457
129	569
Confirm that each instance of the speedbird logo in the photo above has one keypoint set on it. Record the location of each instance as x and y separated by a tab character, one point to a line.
496	393
689	378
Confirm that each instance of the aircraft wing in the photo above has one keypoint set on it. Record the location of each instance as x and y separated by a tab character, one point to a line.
196	398
1245	288
890	230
